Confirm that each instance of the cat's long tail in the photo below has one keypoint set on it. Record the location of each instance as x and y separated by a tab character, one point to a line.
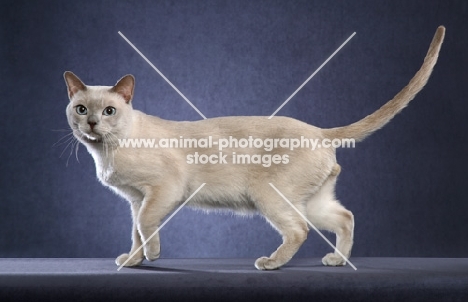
373	122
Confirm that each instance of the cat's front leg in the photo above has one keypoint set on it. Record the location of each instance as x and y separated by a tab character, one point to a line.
136	250
158	203
152	249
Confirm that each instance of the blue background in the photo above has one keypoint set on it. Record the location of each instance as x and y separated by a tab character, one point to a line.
405	184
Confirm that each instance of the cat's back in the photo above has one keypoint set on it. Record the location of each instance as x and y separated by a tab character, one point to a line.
249	125
236	126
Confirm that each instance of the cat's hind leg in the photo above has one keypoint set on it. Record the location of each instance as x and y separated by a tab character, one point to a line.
326	213
288	223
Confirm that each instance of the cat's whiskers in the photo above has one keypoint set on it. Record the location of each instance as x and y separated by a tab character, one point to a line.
109	142
69	142
63	140
111	137
76	150
105	146
60	130
74	143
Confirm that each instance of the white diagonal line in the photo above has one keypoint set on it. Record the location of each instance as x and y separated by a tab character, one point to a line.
313	226
160	73
303	84
162	225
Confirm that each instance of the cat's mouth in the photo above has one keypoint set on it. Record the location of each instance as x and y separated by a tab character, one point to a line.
92	137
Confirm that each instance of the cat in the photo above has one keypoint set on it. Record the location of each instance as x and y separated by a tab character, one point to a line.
157	180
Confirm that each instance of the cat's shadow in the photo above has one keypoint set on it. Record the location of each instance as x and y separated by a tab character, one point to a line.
178	270
160	269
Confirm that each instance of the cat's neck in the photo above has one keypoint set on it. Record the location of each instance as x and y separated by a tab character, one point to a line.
102	153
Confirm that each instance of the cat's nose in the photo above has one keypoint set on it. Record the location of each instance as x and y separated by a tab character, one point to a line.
92	121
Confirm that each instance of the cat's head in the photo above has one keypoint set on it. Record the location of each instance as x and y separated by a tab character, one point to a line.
98	114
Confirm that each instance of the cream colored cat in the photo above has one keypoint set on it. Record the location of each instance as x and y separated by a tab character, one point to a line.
157	180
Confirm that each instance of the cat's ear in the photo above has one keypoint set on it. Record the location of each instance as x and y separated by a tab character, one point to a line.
125	87
74	84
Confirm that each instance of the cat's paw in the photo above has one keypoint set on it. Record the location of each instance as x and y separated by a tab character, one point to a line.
151	255
265	263
152	251
135	261
333	260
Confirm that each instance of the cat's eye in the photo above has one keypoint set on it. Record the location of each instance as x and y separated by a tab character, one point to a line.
81	110
109	111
